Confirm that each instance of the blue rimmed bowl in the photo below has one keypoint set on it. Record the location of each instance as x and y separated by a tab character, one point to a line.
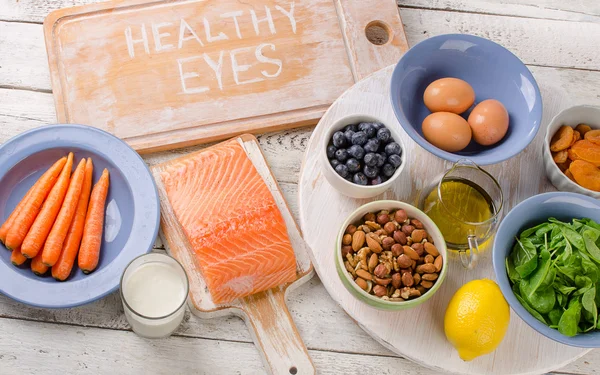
533	211
493	72
132	210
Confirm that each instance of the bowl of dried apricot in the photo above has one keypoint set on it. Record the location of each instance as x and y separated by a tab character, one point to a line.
572	150
390	255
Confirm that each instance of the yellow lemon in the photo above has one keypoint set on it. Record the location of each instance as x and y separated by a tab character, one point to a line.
476	319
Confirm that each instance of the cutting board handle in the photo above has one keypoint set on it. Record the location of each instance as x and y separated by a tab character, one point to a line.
275	334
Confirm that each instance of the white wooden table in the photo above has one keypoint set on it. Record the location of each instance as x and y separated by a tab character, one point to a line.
558	39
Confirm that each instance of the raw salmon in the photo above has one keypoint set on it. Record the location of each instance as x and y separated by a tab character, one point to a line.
232	222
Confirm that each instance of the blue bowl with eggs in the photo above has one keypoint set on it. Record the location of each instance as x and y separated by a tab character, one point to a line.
535	210
492	71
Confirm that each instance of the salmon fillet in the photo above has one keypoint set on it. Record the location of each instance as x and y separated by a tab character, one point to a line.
231	220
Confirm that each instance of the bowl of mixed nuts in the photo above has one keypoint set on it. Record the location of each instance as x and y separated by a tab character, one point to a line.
391	255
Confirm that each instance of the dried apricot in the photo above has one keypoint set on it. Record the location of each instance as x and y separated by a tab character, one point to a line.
586	150
586	174
570	175
562	139
572	155
593	136
564	166
576	137
583	128
560	157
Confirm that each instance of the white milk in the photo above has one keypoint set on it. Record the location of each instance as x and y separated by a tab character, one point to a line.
154	288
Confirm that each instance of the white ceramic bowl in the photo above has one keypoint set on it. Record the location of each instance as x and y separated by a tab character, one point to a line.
573	116
349	188
413	213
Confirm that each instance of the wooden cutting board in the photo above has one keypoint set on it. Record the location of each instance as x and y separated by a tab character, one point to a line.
171	73
265	313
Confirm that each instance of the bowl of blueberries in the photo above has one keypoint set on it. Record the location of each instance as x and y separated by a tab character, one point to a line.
361	156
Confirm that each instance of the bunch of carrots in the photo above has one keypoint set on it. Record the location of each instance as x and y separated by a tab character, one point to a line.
59	219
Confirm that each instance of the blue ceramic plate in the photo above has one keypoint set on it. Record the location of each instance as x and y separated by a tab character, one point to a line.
132	210
493	72
533	211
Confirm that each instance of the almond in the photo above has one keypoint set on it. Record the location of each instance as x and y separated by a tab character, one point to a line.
418	235
412	254
431	249
361	283
426	284
373	261
358	240
425	268
373	244
347	239
438	263
429	258
383	282
427	276
364	274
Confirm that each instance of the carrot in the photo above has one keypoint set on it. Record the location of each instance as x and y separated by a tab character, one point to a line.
89	252
23	221
56	238
34	241
4	228
62	268
37	266
16	257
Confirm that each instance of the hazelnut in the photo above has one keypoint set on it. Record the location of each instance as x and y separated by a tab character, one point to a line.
351	229
379	290
418	247
397	250
382	219
400	237
396	280
389	227
417	223
405	270
407	229
369	217
346	250
418	235
347	239
407	279
380	271
404	261
429	258
387	243
400	216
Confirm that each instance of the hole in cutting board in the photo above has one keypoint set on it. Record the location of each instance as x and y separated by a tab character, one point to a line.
378	32
293	370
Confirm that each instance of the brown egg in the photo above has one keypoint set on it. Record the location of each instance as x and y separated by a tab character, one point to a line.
489	122
449	95
446	130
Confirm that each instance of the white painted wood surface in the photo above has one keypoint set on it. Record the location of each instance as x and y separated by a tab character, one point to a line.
95	339
397	330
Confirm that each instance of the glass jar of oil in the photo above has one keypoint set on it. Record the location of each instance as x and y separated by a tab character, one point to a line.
465	204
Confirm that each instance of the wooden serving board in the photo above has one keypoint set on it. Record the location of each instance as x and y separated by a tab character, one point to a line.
265	313
418	333
172	73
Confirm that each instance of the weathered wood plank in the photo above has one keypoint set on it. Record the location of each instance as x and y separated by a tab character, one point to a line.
586	10
536	41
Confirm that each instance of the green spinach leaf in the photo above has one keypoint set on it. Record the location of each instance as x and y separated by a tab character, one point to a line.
512	273
531	310
569	321
591	246
525	257
589	304
555	315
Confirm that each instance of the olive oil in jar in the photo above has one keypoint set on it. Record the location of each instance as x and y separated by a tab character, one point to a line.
463	210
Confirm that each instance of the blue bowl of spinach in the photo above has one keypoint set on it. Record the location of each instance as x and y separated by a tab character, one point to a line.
547	262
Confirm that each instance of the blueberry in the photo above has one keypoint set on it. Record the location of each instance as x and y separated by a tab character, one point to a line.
341	154
388	170
342	170
368	128
348	135
395	160
381	159
359	138
370	172
393	148
377	180
357	152
372	145
378	125
331	149
353	165
339	140
334	163
360	179
352	127
371	159
384	135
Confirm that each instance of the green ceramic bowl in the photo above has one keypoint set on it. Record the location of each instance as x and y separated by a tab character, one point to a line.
413	213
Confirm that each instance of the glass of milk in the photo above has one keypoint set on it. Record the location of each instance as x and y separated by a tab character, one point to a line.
154	289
